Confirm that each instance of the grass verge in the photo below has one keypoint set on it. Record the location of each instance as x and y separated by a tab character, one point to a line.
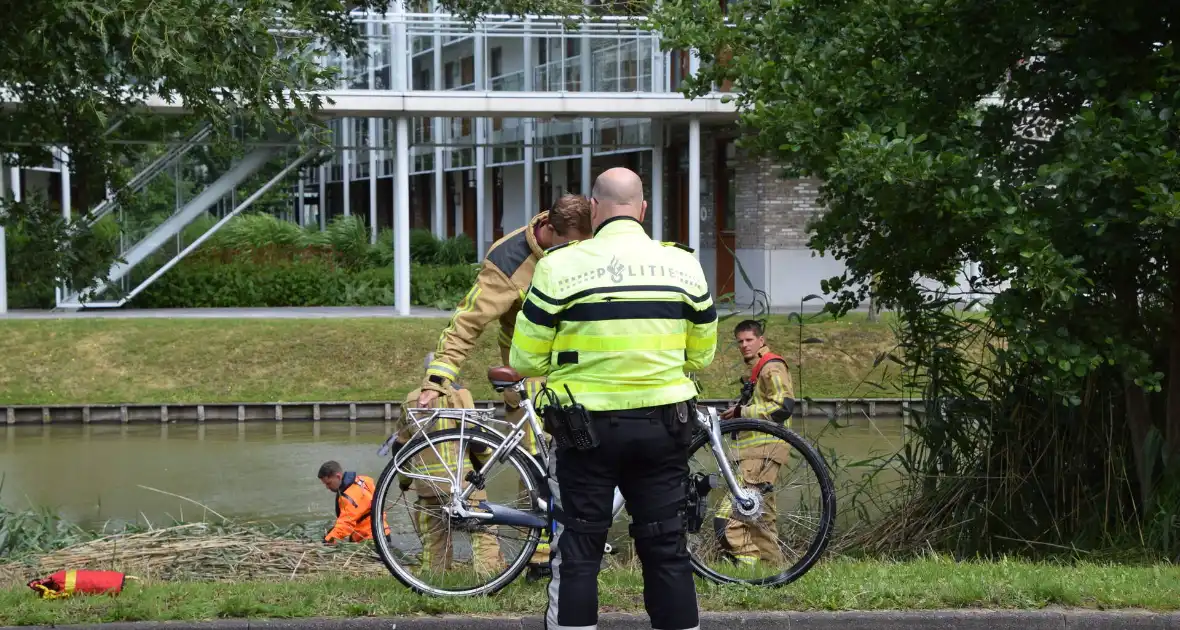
839	584
71	361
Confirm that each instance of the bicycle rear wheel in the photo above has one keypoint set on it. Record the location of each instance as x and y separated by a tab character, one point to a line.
435	553
779	539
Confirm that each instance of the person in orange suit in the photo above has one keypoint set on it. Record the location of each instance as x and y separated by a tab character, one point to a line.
354	504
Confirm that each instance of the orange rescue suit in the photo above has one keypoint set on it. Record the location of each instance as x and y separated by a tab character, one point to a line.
354	505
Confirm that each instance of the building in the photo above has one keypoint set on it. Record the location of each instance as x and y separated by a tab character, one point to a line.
503	118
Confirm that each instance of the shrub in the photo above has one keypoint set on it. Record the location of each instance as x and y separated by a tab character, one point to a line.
41	248
205	283
423	246
245	282
440	286
458	250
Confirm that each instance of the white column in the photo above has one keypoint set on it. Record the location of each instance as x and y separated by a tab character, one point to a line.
437	136
63	161
300	208
657	179
401	223
481	151
346	160
322	205
694	185
373	144
14	183
3	274
530	161
587	127
480	186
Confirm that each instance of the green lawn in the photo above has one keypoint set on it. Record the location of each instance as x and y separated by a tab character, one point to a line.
832	585
72	361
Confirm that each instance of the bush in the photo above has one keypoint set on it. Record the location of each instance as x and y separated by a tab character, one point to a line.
440	286
423	246
207	282
41	248
459	250
255	259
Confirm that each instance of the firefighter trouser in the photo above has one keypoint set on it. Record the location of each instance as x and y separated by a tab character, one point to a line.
750	542
513	413
438	550
638	454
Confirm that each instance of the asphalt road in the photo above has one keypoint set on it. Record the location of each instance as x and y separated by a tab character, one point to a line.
1049	619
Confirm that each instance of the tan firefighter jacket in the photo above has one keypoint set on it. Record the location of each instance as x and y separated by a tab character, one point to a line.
499	291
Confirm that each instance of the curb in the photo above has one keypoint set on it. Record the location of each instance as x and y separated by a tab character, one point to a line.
1047	619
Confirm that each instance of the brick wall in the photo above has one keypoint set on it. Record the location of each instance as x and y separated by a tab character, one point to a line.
772	212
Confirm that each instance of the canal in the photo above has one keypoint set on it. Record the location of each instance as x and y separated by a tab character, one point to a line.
114	474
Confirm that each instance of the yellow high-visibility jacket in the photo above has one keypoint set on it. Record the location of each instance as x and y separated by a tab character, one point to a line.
618	319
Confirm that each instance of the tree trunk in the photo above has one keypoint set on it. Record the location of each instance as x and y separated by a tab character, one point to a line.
1172	419
1138	407
1139	424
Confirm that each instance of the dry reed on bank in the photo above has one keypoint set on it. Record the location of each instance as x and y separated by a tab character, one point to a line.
204	552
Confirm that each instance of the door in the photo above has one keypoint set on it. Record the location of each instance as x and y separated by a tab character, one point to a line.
676	212
452	203
725	211
469	204
546	190
497	202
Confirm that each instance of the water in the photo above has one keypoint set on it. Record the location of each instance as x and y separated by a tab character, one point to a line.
100	474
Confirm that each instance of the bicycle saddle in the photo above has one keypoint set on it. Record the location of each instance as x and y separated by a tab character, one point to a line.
503	377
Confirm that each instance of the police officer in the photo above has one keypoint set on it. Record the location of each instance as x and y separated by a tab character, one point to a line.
618	320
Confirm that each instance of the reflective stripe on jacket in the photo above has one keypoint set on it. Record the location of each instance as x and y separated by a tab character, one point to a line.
618	319
774	394
354	505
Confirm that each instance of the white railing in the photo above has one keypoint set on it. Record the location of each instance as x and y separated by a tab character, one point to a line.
624	56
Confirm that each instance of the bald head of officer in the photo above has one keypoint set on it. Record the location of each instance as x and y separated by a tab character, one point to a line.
618	192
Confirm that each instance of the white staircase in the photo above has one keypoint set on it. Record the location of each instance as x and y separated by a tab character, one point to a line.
221	193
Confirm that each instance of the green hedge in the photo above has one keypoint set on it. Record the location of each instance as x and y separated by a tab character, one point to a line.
260	260
245	282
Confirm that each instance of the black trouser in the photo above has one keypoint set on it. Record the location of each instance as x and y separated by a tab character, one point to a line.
637	453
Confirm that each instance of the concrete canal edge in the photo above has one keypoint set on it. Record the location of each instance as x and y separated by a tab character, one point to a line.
365	411
967	619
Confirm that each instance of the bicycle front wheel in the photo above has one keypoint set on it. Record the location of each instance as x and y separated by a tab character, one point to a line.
432	551
777	540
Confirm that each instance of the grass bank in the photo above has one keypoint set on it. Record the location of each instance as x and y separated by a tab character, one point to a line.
147	361
840	584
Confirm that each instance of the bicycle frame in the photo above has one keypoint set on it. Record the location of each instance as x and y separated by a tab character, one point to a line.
709	421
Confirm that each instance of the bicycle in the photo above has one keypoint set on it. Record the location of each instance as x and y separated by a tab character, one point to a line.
457	499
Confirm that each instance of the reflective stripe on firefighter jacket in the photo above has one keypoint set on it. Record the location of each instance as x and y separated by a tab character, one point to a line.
773	400
618	319
354	505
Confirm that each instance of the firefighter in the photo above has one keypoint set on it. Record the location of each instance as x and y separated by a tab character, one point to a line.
768	395
354	503
430	523
618	320
498	293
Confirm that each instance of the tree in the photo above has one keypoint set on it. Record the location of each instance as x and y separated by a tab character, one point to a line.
1036	138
